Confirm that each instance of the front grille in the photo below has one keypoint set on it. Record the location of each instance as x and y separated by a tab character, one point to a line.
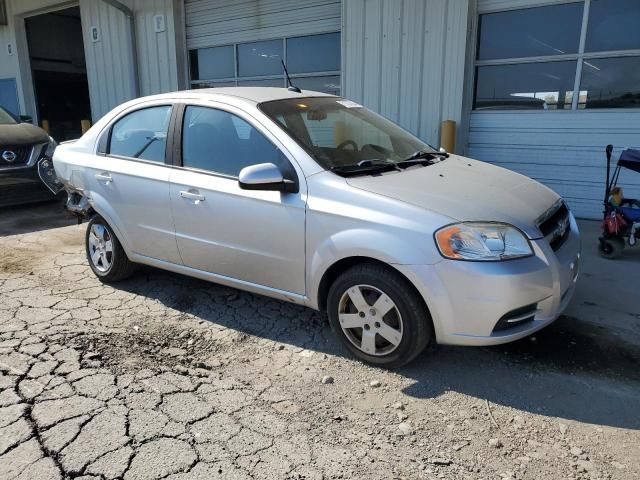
556	226
19	154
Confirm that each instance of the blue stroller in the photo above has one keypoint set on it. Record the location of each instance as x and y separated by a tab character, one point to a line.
621	224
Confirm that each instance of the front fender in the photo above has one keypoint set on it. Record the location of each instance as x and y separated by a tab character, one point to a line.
362	242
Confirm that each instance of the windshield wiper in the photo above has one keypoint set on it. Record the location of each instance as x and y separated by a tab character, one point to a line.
421	156
365	167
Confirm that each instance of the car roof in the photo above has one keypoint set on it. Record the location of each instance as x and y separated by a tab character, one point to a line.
251	94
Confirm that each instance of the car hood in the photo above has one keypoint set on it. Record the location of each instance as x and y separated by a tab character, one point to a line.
467	190
22	134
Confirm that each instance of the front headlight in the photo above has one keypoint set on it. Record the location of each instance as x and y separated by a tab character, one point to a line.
480	241
51	147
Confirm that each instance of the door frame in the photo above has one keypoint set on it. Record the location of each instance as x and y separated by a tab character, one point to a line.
24	56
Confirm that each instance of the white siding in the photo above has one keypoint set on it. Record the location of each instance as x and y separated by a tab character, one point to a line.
157	60
219	22
405	59
109	61
109	66
564	150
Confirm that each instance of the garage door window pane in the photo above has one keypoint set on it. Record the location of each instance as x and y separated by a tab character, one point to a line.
142	134
610	83
269	82
219	142
613	25
551	30
260	58
315	53
525	86
329	84
213	84
211	63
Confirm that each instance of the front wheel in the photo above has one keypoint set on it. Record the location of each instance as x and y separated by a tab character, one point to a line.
379	316
610	248
106	256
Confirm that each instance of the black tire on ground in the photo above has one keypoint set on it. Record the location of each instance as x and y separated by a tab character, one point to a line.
610	248
417	326
119	266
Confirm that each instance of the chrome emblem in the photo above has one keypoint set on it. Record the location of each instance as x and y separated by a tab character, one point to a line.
9	156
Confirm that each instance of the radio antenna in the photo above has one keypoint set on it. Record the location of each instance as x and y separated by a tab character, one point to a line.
290	87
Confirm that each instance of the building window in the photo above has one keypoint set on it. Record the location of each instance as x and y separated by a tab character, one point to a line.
260	58
313	62
559	57
213	63
547	85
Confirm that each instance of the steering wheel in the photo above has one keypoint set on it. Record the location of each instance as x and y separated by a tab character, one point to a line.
346	143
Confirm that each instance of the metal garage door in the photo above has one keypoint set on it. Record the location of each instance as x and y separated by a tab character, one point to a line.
554	84
221	35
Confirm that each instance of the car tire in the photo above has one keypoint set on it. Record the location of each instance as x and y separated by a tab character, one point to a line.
611	248
391	327
105	254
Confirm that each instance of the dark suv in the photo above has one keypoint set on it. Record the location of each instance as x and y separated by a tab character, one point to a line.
21	146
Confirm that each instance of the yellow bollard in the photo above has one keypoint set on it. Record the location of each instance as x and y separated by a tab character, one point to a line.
46	127
339	132
448	135
85	125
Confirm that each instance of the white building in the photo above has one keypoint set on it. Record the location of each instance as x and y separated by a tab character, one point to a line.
538	86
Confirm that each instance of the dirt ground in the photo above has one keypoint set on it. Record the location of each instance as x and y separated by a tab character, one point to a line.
163	376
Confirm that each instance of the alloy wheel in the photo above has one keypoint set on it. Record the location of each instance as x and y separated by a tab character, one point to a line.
100	247
370	320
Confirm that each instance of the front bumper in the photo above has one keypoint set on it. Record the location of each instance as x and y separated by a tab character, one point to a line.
467	299
19	186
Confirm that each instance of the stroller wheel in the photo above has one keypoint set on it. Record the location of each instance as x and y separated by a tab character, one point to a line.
610	248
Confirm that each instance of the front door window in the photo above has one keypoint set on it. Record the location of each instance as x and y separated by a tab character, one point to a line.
220	142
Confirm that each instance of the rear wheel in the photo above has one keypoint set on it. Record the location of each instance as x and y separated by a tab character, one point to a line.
106	256
610	248
379	316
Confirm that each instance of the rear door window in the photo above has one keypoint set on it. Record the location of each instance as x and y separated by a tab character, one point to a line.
142	134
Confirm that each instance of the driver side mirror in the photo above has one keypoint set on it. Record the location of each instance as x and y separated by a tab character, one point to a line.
26	118
266	176
442	150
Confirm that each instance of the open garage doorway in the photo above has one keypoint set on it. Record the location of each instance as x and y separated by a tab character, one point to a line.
59	72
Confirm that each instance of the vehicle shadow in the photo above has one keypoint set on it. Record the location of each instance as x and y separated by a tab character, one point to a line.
34	217
570	370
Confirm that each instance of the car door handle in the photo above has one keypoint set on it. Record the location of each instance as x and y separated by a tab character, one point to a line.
192	196
104	177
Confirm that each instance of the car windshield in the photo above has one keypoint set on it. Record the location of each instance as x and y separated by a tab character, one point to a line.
6	118
340	134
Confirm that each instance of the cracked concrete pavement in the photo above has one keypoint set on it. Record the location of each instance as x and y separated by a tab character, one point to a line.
164	376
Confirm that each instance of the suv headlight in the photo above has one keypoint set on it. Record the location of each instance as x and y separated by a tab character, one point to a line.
50	148
482	241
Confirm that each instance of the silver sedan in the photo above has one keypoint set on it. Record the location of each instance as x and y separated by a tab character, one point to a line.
313	199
